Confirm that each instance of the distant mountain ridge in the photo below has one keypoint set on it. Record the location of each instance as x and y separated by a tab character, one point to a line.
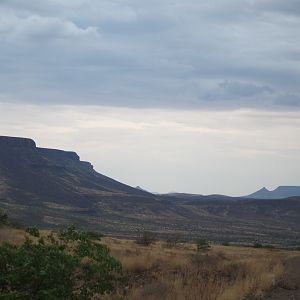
279	193
52	188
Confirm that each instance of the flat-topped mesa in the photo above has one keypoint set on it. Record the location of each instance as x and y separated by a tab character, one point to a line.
28	146
16	142
59	154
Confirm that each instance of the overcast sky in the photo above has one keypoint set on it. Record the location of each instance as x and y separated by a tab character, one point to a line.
191	96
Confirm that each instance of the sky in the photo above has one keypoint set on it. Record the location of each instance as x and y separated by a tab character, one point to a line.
188	96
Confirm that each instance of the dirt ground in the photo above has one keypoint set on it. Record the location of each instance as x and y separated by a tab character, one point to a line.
288	288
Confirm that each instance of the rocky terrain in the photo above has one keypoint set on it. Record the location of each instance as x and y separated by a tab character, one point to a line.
51	188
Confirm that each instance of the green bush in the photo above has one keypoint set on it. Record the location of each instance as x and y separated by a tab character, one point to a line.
69	265
3	217
202	245
33	231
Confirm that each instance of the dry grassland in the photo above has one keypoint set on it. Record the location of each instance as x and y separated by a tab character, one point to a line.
180	273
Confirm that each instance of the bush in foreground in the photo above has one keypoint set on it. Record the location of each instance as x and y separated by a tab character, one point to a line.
69	265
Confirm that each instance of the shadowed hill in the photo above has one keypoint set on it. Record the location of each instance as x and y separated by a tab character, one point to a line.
32	177
49	188
54	173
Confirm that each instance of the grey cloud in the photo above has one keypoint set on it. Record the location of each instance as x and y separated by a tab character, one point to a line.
240	89
288	100
40	28
151	54
280	6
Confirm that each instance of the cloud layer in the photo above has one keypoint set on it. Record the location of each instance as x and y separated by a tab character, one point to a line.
163	54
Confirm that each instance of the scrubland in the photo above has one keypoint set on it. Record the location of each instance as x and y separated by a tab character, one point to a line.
180	272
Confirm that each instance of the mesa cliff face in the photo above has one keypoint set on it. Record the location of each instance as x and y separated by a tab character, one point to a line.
50	188
36	175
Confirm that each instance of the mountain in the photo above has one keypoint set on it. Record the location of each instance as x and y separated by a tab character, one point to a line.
279	193
51	188
55	175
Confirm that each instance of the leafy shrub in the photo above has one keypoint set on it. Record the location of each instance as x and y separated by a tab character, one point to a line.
3	217
202	245
65	266
33	231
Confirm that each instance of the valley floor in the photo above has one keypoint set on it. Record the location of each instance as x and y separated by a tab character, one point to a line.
222	273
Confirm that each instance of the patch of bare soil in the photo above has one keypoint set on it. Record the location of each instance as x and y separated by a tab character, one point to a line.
288	288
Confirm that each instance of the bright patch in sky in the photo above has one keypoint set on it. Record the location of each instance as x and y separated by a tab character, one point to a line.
230	152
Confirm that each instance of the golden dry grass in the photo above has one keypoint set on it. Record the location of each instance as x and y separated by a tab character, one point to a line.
224	273
12	235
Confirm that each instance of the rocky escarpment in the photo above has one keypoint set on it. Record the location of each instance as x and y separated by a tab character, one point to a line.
37	175
58	155
12	148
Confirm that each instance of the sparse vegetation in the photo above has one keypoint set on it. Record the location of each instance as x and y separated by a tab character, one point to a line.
3	217
176	273
257	245
202	245
172	240
223	273
270	247
226	244
260	245
146	238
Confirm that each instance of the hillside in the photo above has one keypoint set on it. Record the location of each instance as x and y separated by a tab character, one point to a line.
50	188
